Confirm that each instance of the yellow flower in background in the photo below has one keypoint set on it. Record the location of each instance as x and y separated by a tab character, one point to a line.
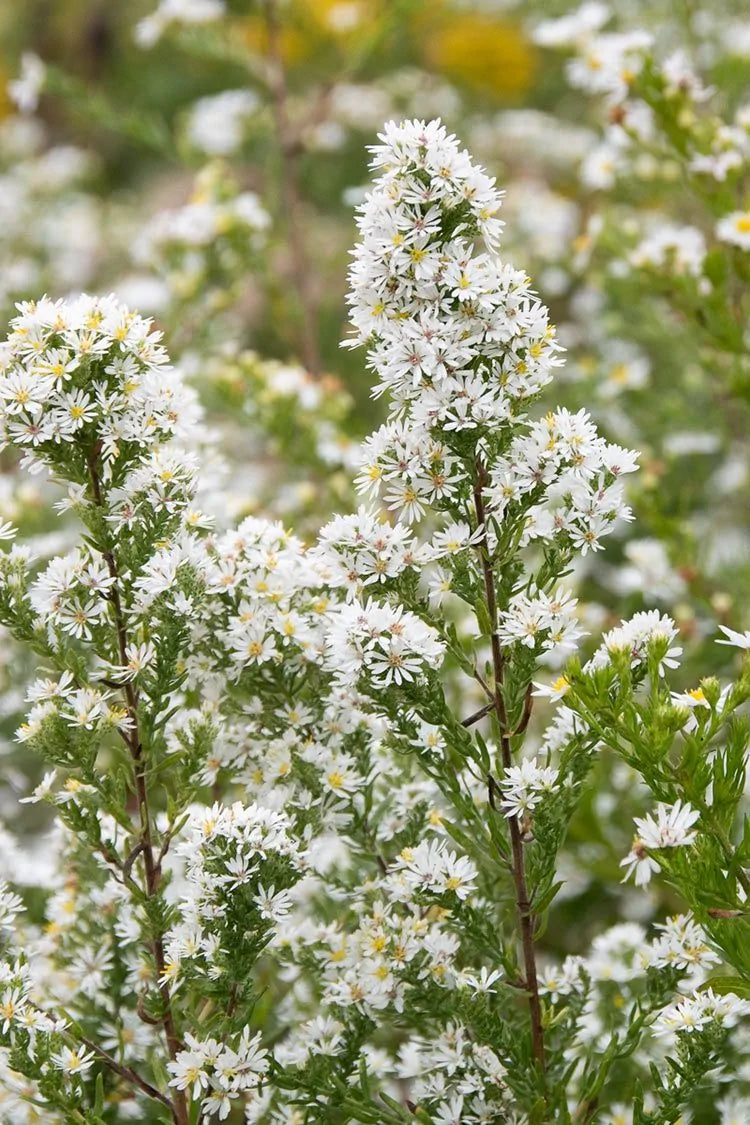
490	55
307	24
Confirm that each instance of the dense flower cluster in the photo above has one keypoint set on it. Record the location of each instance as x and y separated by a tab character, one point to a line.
566	465
457	338
217	1074
232	855
91	375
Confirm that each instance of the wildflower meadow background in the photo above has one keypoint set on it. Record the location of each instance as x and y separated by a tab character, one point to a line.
374	562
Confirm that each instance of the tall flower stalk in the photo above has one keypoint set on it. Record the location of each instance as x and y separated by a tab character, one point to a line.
89	394
463	346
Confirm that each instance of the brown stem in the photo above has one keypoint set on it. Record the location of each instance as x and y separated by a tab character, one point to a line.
178	1101
526	918
480	714
126	1072
289	149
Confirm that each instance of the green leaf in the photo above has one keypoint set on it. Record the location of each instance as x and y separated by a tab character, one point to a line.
725	984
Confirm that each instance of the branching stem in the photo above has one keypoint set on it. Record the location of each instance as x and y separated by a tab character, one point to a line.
178	1101
126	1072
526	918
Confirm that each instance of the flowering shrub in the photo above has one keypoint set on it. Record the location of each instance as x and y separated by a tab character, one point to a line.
304	856
374	744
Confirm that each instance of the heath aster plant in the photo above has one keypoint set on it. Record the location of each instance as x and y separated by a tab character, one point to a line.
307	826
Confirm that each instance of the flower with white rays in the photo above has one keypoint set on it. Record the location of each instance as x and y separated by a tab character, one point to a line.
454	537
643	633
673	249
25	90
430	307
42	790
734	1109
640	864
73	1062
682	944
555	691
541	622
10	906
188	1069
356	929
218	1073
139	658
562	980
431	866
387	646
737	640
671	828
694	697
167	12
484	982
89	368
735	229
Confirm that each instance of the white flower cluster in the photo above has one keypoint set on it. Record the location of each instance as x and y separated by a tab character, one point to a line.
524	786
575	473
388	644
266	602
700	1010
218	1074
363	549
88	373
456	1079
462	345
201	254
87	708
216	124
432	867
375	967
644	632
734	228
19	1014
541	621
622	954
213	217
189	660
608	64
10	906
240	863
170	12
51	227
613	976
682	944
456	337
676	249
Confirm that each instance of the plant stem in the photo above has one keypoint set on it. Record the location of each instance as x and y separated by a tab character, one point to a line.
289	148
523	906
126	1072
178	1101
